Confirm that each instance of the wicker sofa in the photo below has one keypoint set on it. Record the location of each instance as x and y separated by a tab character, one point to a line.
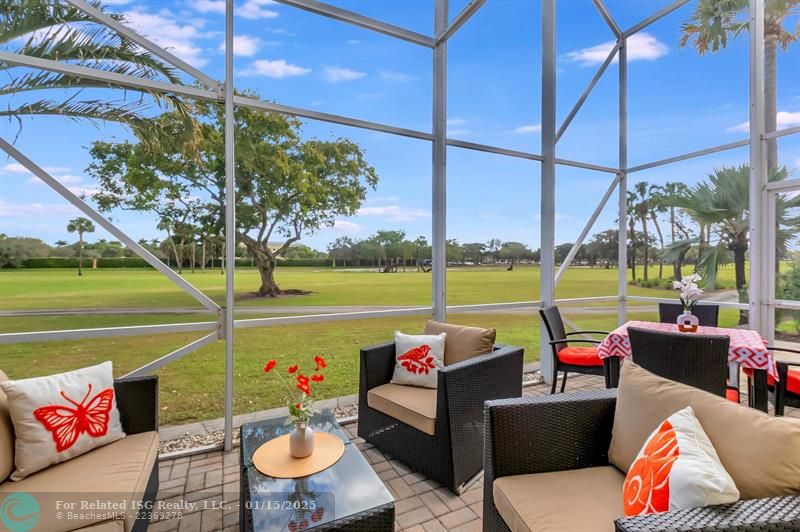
547	468
438	433
125	471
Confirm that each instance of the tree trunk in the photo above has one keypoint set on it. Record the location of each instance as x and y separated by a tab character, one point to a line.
771	92
661	243
266	269
80	253
193	256
203	256
632	258
646	238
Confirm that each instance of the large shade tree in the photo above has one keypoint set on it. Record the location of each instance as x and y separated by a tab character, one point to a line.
60	32
286	186
714	22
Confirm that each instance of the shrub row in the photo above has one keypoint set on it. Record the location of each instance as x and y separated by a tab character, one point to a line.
138	262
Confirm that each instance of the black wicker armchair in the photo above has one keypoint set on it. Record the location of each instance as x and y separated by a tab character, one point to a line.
575	359
707	315
453	453
570	432
787	391
694	359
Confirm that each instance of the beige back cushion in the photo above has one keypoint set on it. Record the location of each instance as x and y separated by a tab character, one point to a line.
6	436
462	342
761	452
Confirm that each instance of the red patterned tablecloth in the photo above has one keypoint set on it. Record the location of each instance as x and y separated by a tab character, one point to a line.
748	348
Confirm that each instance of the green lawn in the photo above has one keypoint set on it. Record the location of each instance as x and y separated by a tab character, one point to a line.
120	288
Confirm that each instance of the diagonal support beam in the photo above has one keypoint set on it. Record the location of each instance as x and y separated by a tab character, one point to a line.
145	43
606	14
343	15
589	88
108	226
577	245
460	20
654	17
178	354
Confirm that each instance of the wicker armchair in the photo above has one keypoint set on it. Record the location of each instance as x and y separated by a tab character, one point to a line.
694	359
707	315
787	392
573	431
454	453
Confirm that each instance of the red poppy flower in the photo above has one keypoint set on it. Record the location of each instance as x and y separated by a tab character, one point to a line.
293	369
270	365
320	362
297	405
302	379
317	377
305	388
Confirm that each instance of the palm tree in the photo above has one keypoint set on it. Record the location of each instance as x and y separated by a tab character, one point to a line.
632	233
721	204
641	209
658	206
714	21
58	31
80	225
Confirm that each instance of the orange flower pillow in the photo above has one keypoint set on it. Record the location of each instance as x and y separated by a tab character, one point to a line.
677	468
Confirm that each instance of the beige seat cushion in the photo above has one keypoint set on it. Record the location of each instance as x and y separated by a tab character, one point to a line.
412	405
580	500
116	472
462	342
760	452
6	436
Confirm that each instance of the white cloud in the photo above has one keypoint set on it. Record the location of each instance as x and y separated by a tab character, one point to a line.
395	213
65	179
529	128
353	41
277	69
347	227
392	75
456	122
254	10
335	74
116	2
243	45
16	168
34	209
784	119
641	46
209	6
167	31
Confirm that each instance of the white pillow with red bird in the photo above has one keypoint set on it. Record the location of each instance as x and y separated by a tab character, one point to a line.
418	359
62	416
677	468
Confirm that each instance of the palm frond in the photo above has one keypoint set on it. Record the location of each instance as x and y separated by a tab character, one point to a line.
675	250
94	111
711	260
18	19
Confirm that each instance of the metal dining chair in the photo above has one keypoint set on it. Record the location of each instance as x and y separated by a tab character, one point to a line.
707	315
694	359
566	358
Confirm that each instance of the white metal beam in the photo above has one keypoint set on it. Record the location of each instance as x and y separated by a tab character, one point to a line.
722	304
622	200
230	224
361	21
587	91
145	43
548	184
782	132
577	245
661	13
439	172
603	10
152	367
690	155
470	9
786	185
98	218
106	332
493	149
587	166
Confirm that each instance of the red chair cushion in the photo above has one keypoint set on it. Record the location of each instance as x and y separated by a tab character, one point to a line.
580	356
792	383
732	394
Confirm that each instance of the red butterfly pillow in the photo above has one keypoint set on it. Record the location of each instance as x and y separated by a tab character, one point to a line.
61	416
418	359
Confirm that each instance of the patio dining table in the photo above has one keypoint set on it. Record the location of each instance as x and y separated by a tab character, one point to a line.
748	349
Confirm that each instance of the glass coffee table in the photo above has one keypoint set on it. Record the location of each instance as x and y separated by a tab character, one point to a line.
346	496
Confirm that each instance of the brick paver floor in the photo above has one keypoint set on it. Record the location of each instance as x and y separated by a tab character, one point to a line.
422	505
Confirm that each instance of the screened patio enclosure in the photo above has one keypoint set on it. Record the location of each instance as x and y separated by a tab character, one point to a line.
221	326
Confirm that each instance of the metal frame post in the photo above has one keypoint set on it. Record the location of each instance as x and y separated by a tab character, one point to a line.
548	186
758	169
230	223
622	280
439	174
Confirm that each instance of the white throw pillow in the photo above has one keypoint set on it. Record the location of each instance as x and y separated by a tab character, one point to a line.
418	359
61	416
677	468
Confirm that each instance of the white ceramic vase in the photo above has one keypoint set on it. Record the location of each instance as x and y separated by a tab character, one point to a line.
688	322
301	440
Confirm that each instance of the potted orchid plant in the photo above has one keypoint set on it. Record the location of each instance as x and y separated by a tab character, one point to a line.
299	401
690	295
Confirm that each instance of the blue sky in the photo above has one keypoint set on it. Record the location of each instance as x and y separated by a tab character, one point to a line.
679	102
